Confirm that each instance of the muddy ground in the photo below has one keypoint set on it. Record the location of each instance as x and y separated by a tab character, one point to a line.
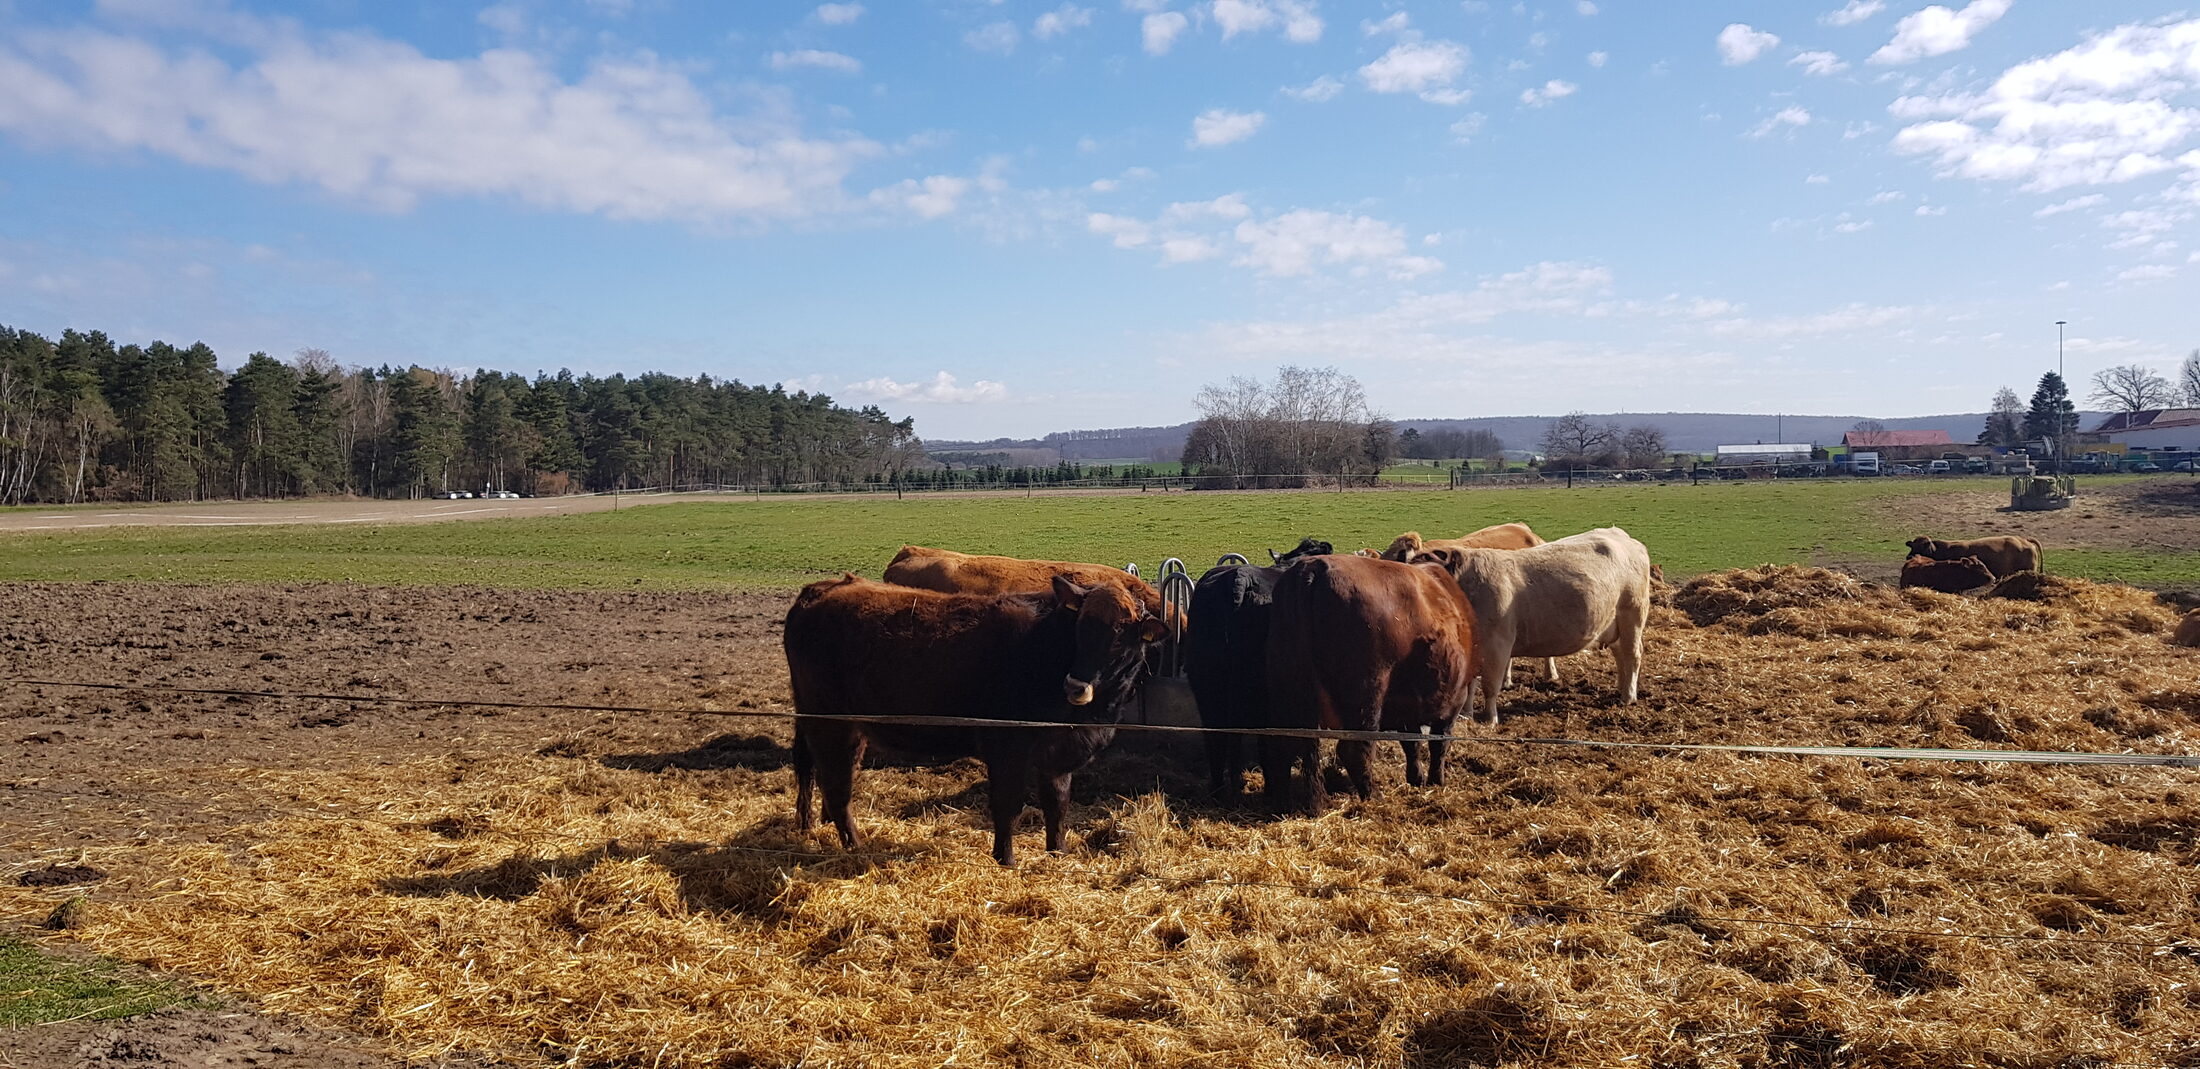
80	768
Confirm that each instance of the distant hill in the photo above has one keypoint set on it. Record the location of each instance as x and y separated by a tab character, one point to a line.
1685	432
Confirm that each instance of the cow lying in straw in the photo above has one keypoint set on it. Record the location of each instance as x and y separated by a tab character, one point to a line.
1946	576
2004	555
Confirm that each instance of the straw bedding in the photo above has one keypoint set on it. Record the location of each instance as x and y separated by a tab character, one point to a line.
1548	907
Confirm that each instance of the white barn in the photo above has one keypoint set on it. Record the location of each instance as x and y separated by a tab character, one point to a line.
2156	428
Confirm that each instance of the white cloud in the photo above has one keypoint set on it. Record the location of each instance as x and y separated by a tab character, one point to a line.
1468	125
1125	232
2096	114
931	198
1937	31
811	57
838	14
1159	31
1296	17
2146	273
1853	12
1184	250
1296	242
1543	95
1928	210
1851	226
374	120
1320	90
1395	22
1227	206
942	389
997	37
1739	44
1221	126
1145	6
1787	118
1816	180
1598	59
1887	196
1848	319
2071	205
1061	20
1416	67
1821	64
1585	7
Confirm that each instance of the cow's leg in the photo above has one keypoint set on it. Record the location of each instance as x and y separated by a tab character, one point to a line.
1496	662
1317	792
835	764
1225	763
1277	756
1628	652
1439	741
1413	762
1008	785
1551	664
1353	754
1053	802
805	772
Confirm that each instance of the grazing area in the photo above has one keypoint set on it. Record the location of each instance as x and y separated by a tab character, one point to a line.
2136	530
616	876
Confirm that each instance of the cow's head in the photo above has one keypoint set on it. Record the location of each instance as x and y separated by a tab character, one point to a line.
1445	558
1925	547
1404	548
1307	547
1113	630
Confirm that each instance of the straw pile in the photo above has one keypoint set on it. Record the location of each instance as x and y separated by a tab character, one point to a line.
549	906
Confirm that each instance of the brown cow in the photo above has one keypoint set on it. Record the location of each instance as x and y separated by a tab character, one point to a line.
1946	576
950	572
2188	630
2004	555
1072	656
1499	536
1360	644
1410	547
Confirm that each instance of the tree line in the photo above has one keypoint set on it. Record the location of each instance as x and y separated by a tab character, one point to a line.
82	418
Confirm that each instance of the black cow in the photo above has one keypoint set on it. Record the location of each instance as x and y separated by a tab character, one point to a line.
1225	654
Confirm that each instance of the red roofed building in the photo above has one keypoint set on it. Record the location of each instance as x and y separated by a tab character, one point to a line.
1901	445
2155	428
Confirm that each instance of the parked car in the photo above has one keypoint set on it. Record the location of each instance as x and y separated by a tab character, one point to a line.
2144	466
1938	467
1976	466
1908	469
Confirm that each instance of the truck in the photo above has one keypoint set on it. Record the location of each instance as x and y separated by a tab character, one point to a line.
1863	464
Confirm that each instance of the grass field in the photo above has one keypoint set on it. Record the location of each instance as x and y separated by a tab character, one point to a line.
778	542
36	988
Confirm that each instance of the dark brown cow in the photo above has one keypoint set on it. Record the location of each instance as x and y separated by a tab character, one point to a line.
1072	656
950	572
2004	555
1946	576
1360	644
1225	655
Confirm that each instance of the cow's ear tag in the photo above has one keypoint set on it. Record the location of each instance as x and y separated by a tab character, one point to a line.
1069	595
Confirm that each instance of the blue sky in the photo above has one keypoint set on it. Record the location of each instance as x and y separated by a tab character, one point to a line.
1007	218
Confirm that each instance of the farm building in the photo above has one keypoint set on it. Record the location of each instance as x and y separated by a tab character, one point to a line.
1901	445
1731	456
2153	429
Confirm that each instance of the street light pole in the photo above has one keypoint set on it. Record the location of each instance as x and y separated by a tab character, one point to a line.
2062	426
2059	353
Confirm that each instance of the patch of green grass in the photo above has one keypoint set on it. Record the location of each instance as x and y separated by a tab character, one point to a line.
41	988
780	542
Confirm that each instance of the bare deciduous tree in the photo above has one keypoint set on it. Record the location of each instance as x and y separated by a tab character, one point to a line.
2005	421
1310	421
2131	388
1642	446
1573	441
1868	426
2188	379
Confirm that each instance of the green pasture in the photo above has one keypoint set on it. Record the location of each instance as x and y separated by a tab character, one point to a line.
37	988
786	541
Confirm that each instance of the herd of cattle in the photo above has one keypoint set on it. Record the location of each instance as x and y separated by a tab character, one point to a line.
1395	641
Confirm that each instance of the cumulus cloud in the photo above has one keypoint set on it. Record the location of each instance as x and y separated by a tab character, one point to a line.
1739	44
1159	31
1585	7
1124	231
1820	64
1928	210
1295	17
942	389
1324	88
2096	114
1395	22
1061	20
1297	242
1853	12
2071	205
1545	94
1221	126
1000	38
929	199
2146	273
1937	31
811	57
838	14
1787	118
374	120
1425	67
1598	59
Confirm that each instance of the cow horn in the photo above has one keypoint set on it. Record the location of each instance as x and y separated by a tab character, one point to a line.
1273	556
1077	691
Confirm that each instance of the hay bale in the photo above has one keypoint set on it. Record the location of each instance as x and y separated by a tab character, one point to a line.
2188	630
1754	592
